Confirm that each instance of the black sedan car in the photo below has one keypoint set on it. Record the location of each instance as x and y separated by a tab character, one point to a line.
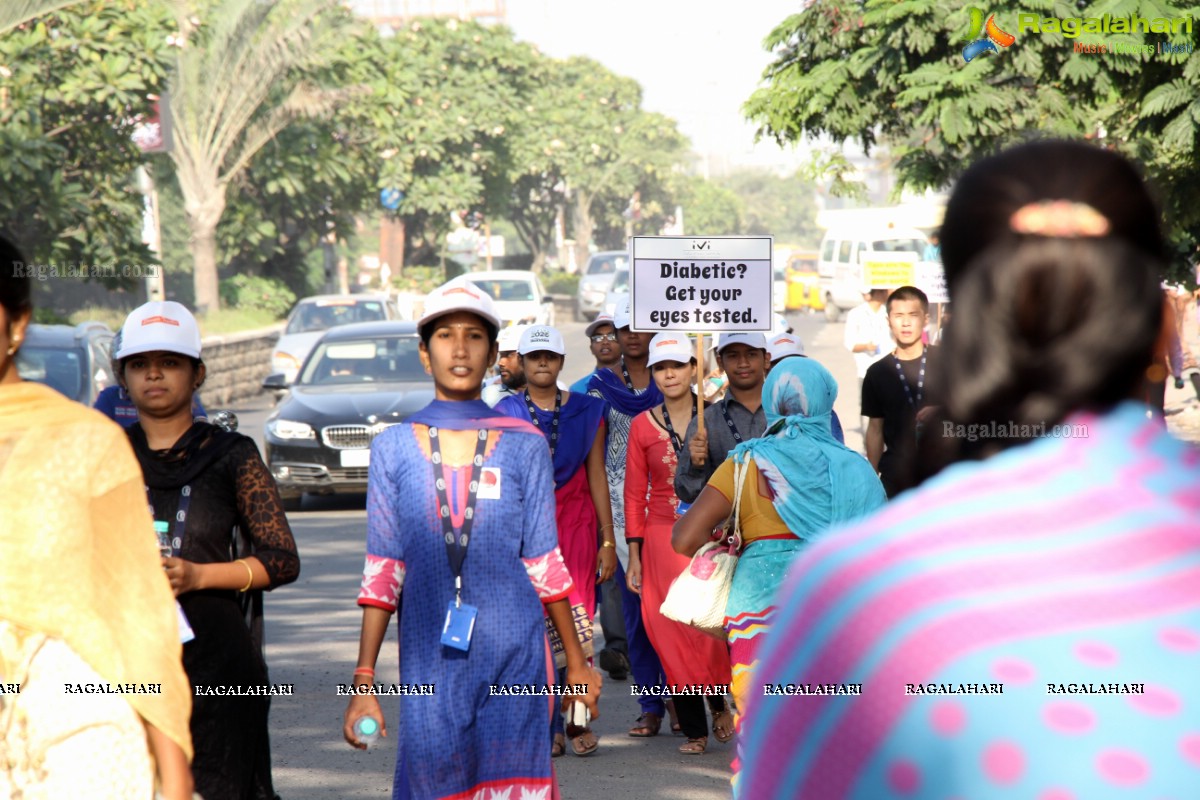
358	380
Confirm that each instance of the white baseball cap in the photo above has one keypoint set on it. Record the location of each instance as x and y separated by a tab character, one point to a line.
541	337
751	338
510	338
780	325
623	314
458	295
670	346
783	345
603	318
160	325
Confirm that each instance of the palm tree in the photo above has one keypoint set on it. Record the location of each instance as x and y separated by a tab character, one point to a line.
14	12
237	82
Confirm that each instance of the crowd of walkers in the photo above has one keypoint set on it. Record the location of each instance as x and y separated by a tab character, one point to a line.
506	519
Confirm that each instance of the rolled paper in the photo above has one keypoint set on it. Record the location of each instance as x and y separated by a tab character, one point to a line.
977	47
998	36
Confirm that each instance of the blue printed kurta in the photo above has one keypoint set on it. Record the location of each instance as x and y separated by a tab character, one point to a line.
462	742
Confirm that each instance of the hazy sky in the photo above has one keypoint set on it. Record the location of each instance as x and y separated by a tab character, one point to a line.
697	61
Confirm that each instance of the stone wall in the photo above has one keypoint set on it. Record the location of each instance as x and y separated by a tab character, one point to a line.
237	365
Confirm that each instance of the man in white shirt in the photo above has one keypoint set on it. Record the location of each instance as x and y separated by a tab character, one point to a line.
868	335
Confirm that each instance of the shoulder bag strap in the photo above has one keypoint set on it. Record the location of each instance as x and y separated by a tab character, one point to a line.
739	481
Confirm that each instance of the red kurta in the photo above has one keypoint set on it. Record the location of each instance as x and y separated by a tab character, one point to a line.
688	656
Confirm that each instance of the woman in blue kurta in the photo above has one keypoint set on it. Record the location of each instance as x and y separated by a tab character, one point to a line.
574	425
462	741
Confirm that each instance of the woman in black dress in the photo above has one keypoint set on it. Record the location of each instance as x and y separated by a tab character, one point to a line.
229	540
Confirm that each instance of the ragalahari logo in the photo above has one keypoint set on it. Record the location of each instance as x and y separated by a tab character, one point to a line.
992	36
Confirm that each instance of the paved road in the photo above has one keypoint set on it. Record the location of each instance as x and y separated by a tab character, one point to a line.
312	635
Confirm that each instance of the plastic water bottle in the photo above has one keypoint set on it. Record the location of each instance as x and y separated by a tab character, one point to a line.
163	531
366	730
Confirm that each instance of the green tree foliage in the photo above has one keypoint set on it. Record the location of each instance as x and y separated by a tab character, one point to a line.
244	74
73	86
586	143
14	12
709	209
446	98
781	207
892	71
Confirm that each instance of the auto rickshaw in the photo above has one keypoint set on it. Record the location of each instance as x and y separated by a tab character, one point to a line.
804	290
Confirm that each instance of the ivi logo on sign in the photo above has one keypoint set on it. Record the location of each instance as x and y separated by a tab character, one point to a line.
702	245
983	38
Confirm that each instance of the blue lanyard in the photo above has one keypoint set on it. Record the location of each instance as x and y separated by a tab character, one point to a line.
737	437
185	501
456	549
920	382
553	423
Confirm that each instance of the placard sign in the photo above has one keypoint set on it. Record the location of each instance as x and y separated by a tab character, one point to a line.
888	270
930	278
701	284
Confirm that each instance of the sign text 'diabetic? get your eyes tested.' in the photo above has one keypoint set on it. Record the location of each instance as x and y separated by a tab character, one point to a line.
701	284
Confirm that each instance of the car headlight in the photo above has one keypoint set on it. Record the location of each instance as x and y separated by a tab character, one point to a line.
284	362
290	429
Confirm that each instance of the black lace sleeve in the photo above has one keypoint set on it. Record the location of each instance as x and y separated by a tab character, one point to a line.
261	513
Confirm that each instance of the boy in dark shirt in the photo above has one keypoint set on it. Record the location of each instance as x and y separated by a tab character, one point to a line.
896	396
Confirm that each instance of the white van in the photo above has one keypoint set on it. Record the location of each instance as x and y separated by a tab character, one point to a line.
840	265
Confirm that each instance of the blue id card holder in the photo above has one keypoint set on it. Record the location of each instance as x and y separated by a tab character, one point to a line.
460	624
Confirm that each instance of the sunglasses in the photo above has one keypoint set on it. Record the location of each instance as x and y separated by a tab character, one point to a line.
603	337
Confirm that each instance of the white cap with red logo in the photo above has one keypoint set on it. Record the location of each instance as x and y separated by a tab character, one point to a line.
603	318
670	346
541	337
458	295
783	345
749	338
160	325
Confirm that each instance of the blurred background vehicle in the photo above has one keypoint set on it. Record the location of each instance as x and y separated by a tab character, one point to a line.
312	316
594	283
358	380
843	253
75	360
618	290
519	295
803	282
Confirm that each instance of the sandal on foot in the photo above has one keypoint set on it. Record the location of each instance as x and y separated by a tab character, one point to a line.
676	728
646	725
722	726
559	746
694	747
585	743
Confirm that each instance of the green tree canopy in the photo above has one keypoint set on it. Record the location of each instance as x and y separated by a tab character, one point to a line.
893	71
782	207
73	87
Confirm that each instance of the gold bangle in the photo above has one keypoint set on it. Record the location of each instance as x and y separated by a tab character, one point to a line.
607	544
602	527
249	575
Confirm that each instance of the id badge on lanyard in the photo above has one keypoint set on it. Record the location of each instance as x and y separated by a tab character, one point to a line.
460	617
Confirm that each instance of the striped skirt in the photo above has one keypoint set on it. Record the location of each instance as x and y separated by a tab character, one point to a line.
760	572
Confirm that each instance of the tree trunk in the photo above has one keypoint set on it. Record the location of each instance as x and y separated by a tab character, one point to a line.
203	245
539	262
202	218
581	215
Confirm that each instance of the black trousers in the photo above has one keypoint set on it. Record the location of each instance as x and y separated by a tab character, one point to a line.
692	718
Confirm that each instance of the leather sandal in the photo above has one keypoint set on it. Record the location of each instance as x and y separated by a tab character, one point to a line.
722	725
584	743
559	746
694	747
647	725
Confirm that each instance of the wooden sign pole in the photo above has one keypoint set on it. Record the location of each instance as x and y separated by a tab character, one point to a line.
700	376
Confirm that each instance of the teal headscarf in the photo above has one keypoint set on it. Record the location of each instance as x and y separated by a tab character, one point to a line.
816	480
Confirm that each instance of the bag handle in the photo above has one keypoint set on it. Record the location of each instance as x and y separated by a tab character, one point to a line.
739	481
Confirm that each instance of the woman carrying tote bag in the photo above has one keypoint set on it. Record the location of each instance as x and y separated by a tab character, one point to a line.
799	482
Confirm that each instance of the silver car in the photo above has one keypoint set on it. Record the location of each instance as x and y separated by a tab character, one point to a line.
312	316
594	282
